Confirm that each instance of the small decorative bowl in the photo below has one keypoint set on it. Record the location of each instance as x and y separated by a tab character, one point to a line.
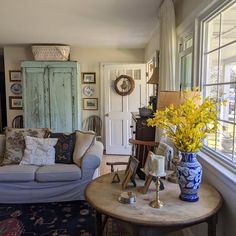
127	198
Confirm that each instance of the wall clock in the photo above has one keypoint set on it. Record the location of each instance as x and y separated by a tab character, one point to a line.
16	88
88	91
124	85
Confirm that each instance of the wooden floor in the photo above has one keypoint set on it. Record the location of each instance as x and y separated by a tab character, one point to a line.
112	158
106	169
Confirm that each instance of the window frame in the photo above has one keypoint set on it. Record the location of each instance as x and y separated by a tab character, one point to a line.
183	52
198	62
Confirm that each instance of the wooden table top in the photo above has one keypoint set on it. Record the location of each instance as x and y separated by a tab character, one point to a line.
103	196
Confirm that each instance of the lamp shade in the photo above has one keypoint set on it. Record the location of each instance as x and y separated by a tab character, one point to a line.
155	77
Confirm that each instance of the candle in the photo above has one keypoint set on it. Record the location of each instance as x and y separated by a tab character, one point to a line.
158	165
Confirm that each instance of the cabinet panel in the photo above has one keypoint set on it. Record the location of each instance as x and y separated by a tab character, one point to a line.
61	99
36	104
51	95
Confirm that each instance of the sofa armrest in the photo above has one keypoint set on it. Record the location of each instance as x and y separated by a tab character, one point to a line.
92	159
2	146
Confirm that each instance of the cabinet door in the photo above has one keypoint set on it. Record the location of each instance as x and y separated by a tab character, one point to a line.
35	98
62	94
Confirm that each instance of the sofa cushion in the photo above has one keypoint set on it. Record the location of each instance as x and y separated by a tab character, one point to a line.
15	143
39	151
84	140
58	172
16	173
64	147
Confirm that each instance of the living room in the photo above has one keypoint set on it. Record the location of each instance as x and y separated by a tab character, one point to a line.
124	42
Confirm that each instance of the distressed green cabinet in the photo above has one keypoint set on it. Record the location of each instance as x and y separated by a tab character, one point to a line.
51	95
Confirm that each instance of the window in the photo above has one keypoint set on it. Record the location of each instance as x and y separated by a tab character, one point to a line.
185	60
219	76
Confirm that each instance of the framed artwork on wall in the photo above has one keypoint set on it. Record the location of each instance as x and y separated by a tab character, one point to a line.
15	103
15	75
88	78
16	88
90	103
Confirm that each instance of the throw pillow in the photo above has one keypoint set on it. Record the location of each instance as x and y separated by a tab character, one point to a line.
15	143
39	151
84	140
64	147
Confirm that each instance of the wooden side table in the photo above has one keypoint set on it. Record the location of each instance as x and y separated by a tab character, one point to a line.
140	219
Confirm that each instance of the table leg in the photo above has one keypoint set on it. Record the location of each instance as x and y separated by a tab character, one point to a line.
98	224
212	225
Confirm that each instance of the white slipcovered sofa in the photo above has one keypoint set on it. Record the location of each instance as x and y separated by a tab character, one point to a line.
48	183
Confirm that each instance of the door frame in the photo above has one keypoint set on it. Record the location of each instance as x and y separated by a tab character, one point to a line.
102	102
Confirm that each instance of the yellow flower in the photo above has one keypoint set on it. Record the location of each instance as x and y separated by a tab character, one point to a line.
188	124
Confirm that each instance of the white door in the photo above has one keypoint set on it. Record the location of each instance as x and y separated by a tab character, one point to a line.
117	108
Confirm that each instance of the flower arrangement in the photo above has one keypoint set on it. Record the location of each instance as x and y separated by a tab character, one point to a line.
189	123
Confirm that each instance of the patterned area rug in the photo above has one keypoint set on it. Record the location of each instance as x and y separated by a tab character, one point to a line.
64	219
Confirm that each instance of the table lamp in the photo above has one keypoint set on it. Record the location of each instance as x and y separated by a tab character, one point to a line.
155	80
158	171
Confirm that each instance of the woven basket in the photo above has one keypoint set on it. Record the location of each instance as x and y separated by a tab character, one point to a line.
51	52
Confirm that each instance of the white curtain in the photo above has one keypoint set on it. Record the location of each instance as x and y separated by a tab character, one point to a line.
167	47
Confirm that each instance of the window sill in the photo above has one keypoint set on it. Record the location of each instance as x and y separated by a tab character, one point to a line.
218	169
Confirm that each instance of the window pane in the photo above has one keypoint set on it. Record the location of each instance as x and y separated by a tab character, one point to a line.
210	141
188	43
225	139
228	63
211	91
186	71
228	25
137	74
213	31
212	69
226	92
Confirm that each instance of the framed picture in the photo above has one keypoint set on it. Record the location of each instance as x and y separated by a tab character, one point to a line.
15	103
89	78
16	88
90	103
15	75
130	172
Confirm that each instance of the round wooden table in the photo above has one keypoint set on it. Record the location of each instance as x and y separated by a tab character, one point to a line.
141	219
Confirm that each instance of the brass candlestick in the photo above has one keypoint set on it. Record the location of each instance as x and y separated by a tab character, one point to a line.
157	203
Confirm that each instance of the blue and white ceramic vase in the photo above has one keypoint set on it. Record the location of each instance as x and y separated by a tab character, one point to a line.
189	172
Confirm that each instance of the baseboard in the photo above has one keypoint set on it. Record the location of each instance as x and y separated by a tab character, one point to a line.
187	232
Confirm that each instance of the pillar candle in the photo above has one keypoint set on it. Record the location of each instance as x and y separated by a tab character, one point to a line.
158	165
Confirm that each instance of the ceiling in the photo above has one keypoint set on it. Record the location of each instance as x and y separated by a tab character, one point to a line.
83	23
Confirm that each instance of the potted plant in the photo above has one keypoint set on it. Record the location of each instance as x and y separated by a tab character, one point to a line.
187	126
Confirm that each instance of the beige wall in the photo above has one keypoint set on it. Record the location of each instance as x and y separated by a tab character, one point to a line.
153	44
12	60
189	8
88	58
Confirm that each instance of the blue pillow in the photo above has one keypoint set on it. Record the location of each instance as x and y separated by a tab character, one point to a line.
64	148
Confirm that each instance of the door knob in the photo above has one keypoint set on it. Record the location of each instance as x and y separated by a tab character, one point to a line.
107	115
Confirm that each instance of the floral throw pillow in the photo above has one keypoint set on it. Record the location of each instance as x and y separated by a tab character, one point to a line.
15	143
64	147
39	151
